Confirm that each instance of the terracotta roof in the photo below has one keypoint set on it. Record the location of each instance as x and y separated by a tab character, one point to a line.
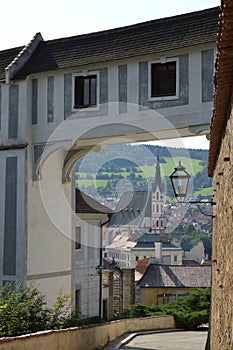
223	82
6	58
85	204
150	37
140	269
176	276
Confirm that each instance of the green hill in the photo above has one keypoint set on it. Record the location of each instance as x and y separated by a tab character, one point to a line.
133	167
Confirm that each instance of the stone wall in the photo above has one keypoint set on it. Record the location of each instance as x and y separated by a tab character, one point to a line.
128	287
222	256
88	338
126	295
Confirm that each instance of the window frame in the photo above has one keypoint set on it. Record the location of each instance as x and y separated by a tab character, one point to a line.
86	74
163	60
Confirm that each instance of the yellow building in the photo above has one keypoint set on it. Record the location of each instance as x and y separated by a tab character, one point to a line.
163	284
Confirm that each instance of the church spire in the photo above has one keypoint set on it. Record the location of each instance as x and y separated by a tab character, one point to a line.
157	202
158	181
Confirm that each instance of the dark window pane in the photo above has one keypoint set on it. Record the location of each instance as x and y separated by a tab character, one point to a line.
79	84
85	91
163	79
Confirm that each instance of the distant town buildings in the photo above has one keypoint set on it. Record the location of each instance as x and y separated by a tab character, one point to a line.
137	230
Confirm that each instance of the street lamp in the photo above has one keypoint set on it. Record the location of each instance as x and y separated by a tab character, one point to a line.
180	181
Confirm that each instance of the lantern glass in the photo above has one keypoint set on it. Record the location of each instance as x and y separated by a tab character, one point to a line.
180	180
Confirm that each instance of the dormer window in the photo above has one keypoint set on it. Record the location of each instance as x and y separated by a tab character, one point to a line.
85	91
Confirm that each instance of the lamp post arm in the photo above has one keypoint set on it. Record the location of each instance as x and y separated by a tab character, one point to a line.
198	204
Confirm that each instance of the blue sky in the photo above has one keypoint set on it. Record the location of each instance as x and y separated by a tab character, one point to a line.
21	20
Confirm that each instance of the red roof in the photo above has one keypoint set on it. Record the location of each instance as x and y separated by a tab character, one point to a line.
223	82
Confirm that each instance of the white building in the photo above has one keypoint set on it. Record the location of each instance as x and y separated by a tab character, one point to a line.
150	245
45	125
87	253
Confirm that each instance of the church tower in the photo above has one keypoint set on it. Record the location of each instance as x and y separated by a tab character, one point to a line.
157	203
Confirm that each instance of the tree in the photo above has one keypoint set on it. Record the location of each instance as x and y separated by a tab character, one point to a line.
24	310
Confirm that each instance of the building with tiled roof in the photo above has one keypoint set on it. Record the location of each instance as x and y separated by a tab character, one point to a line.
63	98
162	284
127	251
85	204
87	222
141	210
156	36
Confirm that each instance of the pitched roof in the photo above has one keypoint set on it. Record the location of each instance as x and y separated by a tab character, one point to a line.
223	80
148	241
149	37
6	57
85	204
120	242
176	276
130	208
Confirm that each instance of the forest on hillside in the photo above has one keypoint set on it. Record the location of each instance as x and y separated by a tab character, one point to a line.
132	167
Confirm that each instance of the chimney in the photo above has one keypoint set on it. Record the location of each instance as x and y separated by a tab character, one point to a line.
158	252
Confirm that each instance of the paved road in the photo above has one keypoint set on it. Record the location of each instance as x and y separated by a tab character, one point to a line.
169	341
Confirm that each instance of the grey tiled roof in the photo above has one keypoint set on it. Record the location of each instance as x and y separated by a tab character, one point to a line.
150	37
86	204
148	241
6	57
130	208
176	276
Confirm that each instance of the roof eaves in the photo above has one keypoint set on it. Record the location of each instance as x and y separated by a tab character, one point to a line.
125	42
23	56
88	205
223	80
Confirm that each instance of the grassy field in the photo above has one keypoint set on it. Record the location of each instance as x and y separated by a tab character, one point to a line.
204	192
192	166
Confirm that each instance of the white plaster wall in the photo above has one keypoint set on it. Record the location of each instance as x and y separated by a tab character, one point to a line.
195	113
85	262
141	253
49	228
51	286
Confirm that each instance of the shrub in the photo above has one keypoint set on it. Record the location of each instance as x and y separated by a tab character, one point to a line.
25	311
189	312
22	311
